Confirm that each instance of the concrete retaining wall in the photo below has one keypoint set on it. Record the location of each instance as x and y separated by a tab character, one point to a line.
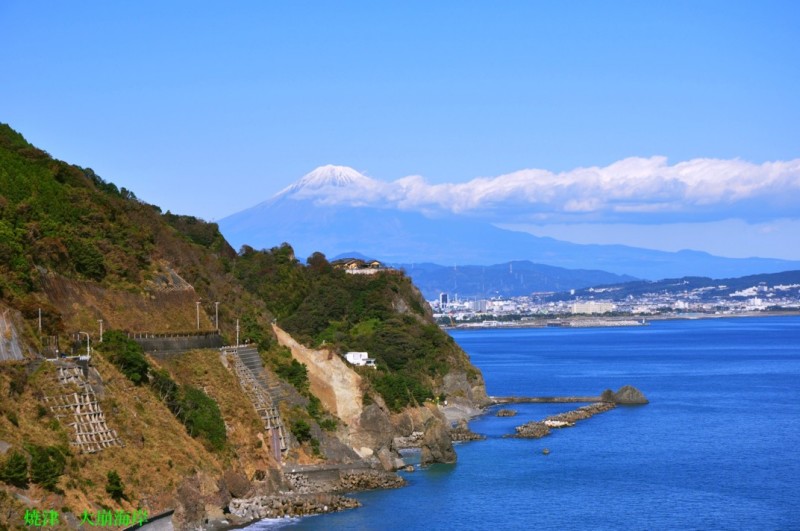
156	344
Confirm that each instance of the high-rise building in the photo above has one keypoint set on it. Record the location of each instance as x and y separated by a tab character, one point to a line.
442	300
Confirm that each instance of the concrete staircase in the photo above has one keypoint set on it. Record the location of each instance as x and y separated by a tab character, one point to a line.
252	360
262	390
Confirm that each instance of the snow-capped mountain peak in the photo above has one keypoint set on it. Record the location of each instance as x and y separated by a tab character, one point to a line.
329	175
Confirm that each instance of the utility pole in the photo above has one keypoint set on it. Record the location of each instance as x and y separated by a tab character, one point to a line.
40	322
237	333
88	353
216	315
197	305
101	329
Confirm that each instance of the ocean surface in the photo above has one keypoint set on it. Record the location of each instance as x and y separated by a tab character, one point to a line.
718	447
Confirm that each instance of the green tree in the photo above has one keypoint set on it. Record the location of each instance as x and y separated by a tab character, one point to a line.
296	374
88	259
14	470
114	486
47	465
201	416
127	355
301	430
400	390
165	388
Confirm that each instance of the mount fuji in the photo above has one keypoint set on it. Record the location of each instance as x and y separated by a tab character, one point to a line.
336	210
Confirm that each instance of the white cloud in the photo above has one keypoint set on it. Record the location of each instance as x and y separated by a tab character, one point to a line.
630	190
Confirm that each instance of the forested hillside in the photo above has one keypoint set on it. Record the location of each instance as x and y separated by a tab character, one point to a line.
383	314
79	251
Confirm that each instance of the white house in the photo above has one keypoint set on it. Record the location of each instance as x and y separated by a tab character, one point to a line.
360	358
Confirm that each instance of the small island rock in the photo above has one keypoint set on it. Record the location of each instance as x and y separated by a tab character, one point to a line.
629	395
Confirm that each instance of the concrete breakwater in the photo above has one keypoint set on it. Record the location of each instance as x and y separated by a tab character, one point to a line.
286	505
543	399
336	479
627	394
538	429
608	400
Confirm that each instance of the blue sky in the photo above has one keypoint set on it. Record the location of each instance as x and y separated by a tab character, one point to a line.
208	108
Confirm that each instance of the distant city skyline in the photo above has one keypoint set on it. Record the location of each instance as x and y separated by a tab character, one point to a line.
206	108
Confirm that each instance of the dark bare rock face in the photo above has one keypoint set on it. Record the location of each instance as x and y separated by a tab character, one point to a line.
376	428
437	447
629	395
236	484
190	512
458	388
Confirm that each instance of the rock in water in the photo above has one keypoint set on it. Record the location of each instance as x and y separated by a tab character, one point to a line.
532	430
461	433
629	395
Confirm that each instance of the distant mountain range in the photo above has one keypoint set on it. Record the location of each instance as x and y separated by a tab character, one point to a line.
332	210
788	281
503	280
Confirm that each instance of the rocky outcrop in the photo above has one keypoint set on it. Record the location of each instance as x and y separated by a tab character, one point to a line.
629	395
506	413
11	348
374	430
461	433
413	440
235	483
436	447
389	459
462	390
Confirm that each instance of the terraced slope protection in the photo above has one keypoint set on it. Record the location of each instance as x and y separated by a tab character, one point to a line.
77	405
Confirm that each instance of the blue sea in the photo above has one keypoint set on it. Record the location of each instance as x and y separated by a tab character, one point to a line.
718	447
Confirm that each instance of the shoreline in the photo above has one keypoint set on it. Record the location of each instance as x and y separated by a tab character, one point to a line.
455	414
611	322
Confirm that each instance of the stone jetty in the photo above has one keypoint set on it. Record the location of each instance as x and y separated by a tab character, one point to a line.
538	429
626	395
